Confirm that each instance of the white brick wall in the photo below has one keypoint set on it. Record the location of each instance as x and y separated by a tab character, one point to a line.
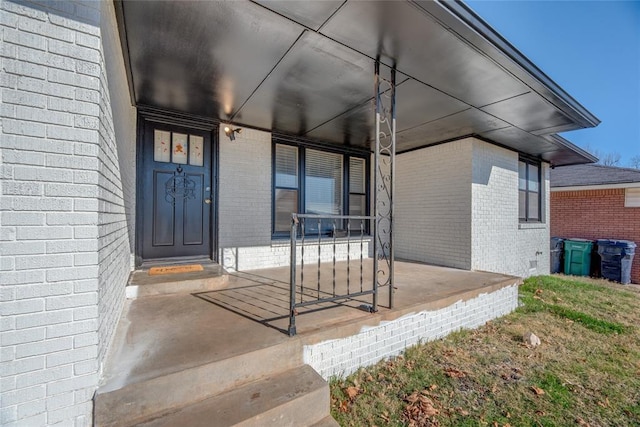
433	204
64	238
278	254
244	190
344	356
116	178
499	242
457	205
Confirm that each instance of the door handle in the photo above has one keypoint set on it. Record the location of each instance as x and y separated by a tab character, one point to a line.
207	201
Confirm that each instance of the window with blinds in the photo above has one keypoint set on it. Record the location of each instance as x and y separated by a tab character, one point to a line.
321	174
529	185
323	183
286	186
357	190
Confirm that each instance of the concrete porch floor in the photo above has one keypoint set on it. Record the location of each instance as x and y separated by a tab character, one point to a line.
161	335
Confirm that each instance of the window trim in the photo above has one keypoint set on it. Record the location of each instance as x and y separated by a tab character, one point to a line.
526	220
347	153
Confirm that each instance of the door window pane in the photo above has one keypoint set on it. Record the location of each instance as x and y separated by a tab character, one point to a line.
161	146
196	149
179	148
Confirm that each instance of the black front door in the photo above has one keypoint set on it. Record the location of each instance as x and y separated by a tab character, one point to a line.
176	192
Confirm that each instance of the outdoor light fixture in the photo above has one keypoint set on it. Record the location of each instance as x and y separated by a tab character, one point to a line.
231	133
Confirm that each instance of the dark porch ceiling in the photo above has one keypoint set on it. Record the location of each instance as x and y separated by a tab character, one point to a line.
306	68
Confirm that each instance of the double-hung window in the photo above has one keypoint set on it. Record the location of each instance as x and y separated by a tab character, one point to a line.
529	191
312	181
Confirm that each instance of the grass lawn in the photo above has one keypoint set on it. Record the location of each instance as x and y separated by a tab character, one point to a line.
586	372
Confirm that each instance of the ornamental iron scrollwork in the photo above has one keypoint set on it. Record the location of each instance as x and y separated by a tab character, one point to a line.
179	186
385	152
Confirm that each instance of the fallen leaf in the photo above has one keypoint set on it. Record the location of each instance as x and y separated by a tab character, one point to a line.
352	392
537	390
433	386
454	373
385	416
344	406
430	411
412	398
582	422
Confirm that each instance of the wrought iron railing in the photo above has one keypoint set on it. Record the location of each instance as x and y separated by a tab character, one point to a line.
329	231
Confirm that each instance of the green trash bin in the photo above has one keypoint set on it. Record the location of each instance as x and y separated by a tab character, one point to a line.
577	257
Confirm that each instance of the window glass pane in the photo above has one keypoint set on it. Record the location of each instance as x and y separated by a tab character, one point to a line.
356	175
286	166
534	206
286	204
522	175
358	207
522	204
179	148
196	149
534	185
161	146
323	183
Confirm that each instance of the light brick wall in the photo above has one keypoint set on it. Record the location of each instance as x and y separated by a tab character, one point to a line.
457	205
596	214
61	209
116	180
499	242
344	356
433	205
244	190
278	254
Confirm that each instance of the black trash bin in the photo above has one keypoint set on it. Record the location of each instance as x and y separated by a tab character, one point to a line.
557	249
616	258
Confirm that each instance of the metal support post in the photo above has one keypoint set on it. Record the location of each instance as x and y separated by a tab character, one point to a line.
292	277
384	185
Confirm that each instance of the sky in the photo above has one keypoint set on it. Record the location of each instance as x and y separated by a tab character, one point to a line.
592	50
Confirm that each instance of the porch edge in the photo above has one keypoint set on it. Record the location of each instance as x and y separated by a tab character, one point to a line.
343	356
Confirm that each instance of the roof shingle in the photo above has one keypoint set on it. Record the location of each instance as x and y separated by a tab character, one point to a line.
592	174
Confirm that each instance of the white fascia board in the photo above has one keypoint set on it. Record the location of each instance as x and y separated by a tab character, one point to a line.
597	187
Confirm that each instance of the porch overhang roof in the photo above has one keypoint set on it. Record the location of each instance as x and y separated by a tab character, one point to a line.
306	69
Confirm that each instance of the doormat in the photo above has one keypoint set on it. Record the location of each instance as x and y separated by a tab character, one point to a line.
175	269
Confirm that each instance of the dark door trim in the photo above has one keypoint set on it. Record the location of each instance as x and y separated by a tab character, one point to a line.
149	114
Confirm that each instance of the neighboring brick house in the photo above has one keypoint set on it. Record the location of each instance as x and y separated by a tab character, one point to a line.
92	92
597	202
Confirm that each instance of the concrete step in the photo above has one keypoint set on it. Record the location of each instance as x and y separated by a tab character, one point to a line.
298	397
141	284
150	397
